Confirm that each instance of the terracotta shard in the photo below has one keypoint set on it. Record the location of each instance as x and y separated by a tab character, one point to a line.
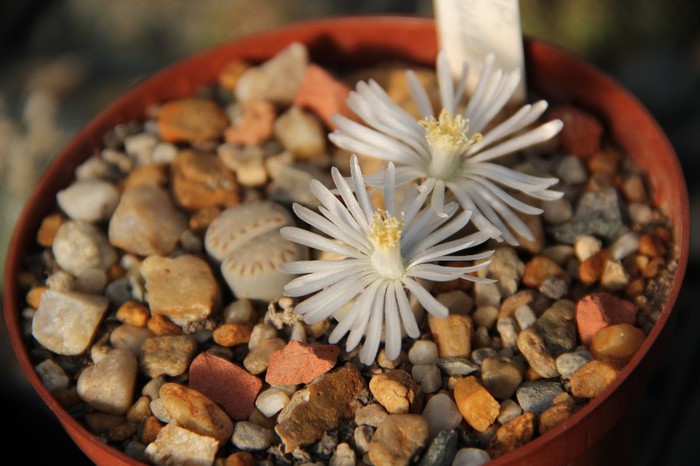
300	363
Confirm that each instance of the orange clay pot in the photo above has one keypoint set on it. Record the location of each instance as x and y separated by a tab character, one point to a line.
596	434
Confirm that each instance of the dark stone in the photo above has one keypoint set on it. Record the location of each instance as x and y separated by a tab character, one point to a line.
537	396
456	366
442	449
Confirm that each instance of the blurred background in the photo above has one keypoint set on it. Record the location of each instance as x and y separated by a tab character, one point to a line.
62	61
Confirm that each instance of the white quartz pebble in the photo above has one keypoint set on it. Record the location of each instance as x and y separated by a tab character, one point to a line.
423	352
441	413
470	457
271	401
80	246
625	245
525	316
108	385
89	199
428	376
176	445
585	246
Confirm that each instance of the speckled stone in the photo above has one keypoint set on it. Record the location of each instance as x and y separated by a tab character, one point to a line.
500	376
397	439
592	378
80	246
201	180
251	437
538	396
597	213
176	445
167	355
66	322
108	385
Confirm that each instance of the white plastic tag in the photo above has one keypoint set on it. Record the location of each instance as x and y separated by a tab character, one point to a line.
470	29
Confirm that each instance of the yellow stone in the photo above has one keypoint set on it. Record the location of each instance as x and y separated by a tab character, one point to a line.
592	378
617	343
232	334
195	412
395	390
133	313
476	404
453	335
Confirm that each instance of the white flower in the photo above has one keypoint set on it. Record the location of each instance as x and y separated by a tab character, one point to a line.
447	149
386	253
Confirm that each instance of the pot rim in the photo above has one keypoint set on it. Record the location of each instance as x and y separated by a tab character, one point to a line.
304	31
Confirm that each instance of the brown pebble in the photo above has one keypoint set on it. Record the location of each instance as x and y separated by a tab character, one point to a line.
654	268
531	374
554	416
191	120
633	189
149	429
214	376
146	175
582	132
232	334
162	326
115	272
512	435
228	78
133	313
651	246
592	378
33	296
240	458
539	269
617	343
605	162
255	126
300	363
591	269
48	229
635	287
452	334
513	302
201	180
201	219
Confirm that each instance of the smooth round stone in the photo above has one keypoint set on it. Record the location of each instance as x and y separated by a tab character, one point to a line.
625	245
80	246
108	385
271	401
362	436
251	437
617	343
167	355
91	200
485	316
640	213
52	375
129	337
571	170
557	211
501	376
251	271
479	355
509	411
585	246
470	457
66	322
507	268
441	413
428	376
239	225
240	311
300	133
568	363
525	316
423	352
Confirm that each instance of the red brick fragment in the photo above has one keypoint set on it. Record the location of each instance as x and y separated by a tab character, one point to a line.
300	363
228	385
582	131
599	310
323	94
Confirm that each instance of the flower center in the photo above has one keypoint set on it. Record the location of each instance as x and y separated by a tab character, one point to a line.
447	137
385	236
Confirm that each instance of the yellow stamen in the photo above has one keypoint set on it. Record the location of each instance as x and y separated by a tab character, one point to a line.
385	229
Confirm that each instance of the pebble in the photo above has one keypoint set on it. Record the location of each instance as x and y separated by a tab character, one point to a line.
471	457
481	338
554	333
539	269
428	376
162	326
509	411
290	183
271	401
554	416
200	181
512	435
321	406
254	126
457	366
395	390
485	316
423	352
129	337
195	412
456	301
599	310
260	333
508	269
164	153
80	246
343	455
508	330
372	414
52	375
582	132
140	147
614	277
568	363
640	214
559	253
176	445
214	376
487	294
232	334
586	246
452	335
591	379
441	450
240	458
167	355
90	200
475	403
140	410
479	355
557	211
362	435
441	413
525	316
598	214
258	359
133	313
65	322
146	222
300	363
537	396
247	162
48	229
554	288
500	376
278	79
591	269
183	289
251	437
238	226
625	245
571	170
96	168
301	133
397	439
240	311
191	120
108	385
617	343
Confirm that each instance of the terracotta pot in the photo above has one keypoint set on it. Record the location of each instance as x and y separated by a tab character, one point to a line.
556	74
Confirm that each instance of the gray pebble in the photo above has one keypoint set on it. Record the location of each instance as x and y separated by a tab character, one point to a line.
251	437
537	396
568	363
479	355
442	449
598	213
457	366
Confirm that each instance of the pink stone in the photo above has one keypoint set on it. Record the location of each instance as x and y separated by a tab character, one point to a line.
599	310
300	363
323	94
228	385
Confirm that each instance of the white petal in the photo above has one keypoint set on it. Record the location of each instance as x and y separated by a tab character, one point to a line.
392	340
356	309
420	97
311	283
362	196
407	318
374	331
348	236
360	324
389	189
349	199
538	135
428	301
316	241
445	83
